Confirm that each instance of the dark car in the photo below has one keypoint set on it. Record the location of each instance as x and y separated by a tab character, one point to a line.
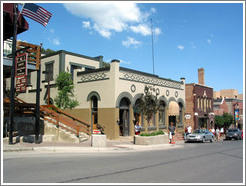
234	134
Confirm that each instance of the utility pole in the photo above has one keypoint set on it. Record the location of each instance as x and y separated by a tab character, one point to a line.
12	90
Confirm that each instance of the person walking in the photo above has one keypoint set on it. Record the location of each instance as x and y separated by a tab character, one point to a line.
171	131
137	128
217	132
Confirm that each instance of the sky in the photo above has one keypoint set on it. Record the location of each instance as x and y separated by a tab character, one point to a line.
186	36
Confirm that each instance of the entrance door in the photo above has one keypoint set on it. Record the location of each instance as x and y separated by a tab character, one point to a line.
124	117
126	123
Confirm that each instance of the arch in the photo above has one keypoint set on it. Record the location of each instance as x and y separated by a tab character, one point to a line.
162	98
122	95
136	97
180	100
170	100
93	93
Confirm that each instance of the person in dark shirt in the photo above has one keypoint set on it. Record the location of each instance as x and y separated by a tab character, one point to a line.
171	131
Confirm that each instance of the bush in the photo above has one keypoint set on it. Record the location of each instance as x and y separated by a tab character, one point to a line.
155	133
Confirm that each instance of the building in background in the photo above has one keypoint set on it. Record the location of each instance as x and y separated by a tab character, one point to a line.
199	103
229	101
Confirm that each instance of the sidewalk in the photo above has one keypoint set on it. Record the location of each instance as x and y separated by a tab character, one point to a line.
124	144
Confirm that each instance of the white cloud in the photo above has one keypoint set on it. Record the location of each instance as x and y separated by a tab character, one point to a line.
180	47
131	42
125	62
108	17
86	24
209	41
56	41
53	38
143	29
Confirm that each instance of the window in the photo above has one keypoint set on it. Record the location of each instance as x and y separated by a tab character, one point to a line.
28	78
162	114
73	67
49	70
198	101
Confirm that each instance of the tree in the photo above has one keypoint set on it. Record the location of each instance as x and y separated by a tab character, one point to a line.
148	104
219	121
47	51
224	121
228	120
65	91
106	64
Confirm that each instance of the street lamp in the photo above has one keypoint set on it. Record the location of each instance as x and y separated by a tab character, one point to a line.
47	73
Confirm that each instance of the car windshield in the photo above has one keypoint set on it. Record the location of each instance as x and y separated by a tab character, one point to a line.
198	131
232	130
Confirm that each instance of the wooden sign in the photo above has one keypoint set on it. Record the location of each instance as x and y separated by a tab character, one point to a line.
21	65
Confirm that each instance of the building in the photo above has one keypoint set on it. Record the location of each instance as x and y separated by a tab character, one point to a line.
227	101
228	93
110	94
199	103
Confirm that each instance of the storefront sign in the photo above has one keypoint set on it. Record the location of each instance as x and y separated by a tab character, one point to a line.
187	116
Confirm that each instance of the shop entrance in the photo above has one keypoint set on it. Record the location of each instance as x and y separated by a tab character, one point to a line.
124	117
202	123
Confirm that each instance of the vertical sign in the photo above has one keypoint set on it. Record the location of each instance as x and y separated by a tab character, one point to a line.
236	114
21	72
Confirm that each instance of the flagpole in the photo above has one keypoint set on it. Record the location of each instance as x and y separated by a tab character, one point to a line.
12	91
152	48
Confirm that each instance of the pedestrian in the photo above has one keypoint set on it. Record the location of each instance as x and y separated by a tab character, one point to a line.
186	132
217	134
171	131
212	130
189	130
137	128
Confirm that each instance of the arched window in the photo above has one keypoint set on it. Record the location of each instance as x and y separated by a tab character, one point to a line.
162	113
94	109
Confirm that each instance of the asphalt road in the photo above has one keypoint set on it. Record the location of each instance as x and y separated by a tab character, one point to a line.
218	162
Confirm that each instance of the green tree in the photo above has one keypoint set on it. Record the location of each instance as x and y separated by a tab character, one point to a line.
148	104
228	120
106	64
47	51
219	121
65	87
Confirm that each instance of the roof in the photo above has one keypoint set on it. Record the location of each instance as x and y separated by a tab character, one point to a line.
8	26
195	84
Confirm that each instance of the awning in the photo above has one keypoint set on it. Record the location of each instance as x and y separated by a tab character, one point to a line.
8	26
173	109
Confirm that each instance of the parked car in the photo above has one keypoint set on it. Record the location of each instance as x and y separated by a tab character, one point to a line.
234	133
200	135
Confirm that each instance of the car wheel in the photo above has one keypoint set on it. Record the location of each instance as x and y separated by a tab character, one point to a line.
212	140
203	139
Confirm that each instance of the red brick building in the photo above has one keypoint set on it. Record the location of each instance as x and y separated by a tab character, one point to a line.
199	103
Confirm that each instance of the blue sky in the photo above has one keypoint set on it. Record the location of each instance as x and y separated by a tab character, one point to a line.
187	36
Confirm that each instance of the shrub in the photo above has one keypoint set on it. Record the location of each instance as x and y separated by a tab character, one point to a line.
155	133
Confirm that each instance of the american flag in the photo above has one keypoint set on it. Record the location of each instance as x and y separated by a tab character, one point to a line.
36	13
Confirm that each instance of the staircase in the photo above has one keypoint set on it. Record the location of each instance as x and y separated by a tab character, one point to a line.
178	137
58	125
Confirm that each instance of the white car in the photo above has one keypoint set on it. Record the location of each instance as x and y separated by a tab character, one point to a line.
200	135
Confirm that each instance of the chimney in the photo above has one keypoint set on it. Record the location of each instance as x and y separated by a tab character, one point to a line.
201	80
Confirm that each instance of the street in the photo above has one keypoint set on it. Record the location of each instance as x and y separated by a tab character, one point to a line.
218	162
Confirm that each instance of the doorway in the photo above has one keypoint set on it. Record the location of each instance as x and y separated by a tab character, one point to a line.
124	117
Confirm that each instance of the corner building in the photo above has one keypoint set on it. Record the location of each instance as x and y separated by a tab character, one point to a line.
110	94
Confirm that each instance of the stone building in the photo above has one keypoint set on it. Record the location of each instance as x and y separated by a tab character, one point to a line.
110	94
199	103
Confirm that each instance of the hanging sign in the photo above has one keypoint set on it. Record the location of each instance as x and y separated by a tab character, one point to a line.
21	65
236	114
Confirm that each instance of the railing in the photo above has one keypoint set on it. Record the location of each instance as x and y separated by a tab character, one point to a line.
65	120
